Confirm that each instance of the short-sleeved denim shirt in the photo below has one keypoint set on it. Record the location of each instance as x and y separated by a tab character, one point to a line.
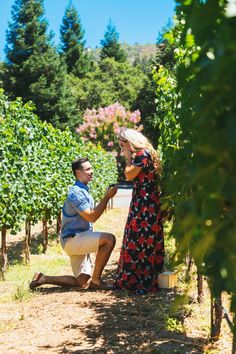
78	199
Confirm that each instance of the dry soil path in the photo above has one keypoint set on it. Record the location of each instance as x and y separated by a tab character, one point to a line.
57	320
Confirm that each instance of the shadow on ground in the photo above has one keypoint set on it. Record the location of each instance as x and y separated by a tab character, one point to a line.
124	323
135	324
127	323
16	248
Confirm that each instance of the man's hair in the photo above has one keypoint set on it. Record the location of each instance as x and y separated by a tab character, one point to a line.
77	164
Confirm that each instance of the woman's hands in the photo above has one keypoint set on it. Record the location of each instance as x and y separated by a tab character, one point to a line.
131	171
128	156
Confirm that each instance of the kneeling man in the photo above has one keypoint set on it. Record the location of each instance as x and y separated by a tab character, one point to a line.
77	236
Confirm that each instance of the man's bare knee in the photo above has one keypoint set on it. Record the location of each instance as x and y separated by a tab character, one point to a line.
107	239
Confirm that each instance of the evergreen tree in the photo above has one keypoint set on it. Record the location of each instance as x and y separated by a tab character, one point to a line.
164	50
146	103
111	48
108	83
1	73
34	70
165	29
144	63
73	44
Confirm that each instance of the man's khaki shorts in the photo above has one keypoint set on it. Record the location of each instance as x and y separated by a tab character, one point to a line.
78	249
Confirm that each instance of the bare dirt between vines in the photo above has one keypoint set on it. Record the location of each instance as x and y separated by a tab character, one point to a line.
58	320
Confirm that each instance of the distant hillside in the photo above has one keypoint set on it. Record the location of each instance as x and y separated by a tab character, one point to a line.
133	51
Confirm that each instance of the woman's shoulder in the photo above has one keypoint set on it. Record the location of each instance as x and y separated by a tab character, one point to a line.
142	158
143	152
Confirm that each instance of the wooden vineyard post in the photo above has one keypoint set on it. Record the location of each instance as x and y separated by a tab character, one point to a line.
216	317
233	328
59	221
45	236
199	287
27	241
3	253
189	262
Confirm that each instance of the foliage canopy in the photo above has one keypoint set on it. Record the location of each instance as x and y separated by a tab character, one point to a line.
111	47
197	108
73	43
34	70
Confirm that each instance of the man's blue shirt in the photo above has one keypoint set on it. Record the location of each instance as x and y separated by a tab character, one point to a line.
78	199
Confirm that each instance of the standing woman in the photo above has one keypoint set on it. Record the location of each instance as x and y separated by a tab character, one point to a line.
142	252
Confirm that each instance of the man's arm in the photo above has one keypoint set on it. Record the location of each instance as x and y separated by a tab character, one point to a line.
92	215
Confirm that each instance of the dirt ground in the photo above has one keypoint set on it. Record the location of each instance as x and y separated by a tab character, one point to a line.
60	320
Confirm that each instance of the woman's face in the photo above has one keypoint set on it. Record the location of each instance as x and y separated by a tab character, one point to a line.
125	145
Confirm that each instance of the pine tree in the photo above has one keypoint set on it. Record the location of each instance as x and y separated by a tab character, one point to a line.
34	70
111	48
73	44
164	50
2	68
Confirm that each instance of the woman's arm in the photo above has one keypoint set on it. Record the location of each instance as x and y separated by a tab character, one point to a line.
131	171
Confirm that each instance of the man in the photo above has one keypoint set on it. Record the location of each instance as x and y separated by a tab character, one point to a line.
77	236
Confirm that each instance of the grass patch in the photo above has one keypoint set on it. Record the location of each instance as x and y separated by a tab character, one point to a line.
21	293
54	262
15	288
6	326
19	275
173	325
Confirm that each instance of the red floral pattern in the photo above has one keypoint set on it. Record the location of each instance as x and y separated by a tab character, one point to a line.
142	252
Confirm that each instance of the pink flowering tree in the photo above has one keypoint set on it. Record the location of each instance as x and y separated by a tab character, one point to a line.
102	125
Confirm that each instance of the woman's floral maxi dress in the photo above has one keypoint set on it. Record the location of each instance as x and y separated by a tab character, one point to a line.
142	252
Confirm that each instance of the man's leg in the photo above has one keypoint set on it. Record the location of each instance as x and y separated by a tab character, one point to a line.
81	266
61	280
102	243
106	244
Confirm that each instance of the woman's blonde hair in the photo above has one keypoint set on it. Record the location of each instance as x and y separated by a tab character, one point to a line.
138	142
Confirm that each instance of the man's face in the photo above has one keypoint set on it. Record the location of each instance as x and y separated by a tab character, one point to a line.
85	174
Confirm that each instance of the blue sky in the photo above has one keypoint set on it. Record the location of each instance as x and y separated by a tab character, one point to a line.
136	21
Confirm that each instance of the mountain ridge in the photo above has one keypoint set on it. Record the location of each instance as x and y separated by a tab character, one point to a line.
134	51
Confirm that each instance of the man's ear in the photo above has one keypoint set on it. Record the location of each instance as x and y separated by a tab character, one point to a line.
77	173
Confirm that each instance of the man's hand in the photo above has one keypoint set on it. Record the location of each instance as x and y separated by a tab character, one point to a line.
92	215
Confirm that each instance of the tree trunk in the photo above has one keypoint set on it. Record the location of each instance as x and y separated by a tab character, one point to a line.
111	200
58	226
45	236
216	317
3	253
234	345
29	233
234	336
189	263
27	241
199	287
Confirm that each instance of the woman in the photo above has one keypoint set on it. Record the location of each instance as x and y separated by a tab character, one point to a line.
142	252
